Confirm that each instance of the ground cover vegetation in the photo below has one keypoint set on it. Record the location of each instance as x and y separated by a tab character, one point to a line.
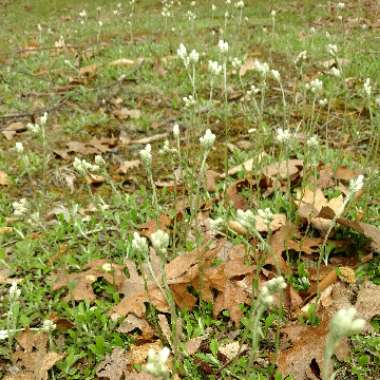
189	190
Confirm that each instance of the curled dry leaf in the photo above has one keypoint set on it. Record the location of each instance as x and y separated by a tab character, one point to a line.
126	166
12	129
368	301
32	359
4	180
311	202
131	323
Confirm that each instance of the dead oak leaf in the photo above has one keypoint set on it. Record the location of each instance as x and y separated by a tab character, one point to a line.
303	349
368	301
80	283
33	359
126	166
4	180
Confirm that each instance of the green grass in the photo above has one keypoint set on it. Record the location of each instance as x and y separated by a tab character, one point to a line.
39	79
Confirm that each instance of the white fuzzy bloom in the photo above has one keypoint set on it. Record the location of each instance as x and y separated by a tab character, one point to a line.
315	86
246	218
356	184
34	128
176	130
160	240
191	15
60	43
83	166
83	13
367	87
214	67
207	140
157	362
239	4
313	142
21	207
341	6
276	75
146	155
99	160
301	57
14	292
236	63
323	102
189	101
266	214
344	323
270	288
377	101
334	71
194	56
283	135
140	244
273	13
19	147
44	118
107	267
182	51
100	23
332	49
48	325
223	46
261	67
4	334
216	224
213	7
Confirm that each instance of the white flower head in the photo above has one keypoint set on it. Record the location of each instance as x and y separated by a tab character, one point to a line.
176	130
19	148
182	51
261	67
60	43
335	72
207	140
34	128
344	323
99	160
283	135
223	46
157	362
160	240
315	86
356	184
367	87
276	75
48	325
21	207
273	13
4	334
341	5
83	166
236	63
323	102
332	49
301	57
213	7
83	13
216	224
266	214
194	56
246	218
140	244
146	155
14	291
189	101
377	101
313	142
239	4
214	67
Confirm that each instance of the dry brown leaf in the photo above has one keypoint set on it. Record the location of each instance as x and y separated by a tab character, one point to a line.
131	322
12	129
80	284
311	202
306	351
150	139
193	345
114	366
368	301
88	71
4	180
284	169
125	113
248	65
347	274
139	354
32	359
153	225
125	166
